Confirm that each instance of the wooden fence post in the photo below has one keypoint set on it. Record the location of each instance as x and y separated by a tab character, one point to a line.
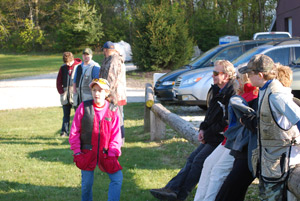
149	101
157	127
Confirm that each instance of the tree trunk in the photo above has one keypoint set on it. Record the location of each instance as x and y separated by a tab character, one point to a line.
36	13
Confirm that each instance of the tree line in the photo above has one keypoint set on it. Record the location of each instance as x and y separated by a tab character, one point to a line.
162	33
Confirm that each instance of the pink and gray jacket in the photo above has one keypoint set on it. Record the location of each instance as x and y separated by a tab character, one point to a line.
95	137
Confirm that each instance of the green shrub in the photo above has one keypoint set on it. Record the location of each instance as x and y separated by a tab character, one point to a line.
161	39
27	38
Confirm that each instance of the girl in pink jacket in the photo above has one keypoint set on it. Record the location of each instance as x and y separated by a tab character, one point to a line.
95	139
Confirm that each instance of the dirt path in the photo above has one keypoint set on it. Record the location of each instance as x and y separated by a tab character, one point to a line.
40	91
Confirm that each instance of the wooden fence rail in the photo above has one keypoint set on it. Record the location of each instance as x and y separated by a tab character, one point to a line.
156	116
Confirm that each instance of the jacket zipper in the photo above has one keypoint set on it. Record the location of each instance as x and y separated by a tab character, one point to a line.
68	86
98	142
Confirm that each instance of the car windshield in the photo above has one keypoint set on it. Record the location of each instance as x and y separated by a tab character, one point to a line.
204	57
244	58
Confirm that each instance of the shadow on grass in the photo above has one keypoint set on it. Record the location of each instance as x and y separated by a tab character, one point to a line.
11	191
22	191
151	158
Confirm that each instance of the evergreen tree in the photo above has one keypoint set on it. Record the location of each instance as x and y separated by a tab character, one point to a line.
81	27
161	39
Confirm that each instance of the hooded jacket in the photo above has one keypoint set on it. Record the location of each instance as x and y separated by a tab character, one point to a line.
83	77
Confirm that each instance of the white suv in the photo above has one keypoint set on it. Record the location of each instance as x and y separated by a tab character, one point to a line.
265	35
193	87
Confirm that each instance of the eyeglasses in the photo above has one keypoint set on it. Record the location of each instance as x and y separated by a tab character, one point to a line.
216	73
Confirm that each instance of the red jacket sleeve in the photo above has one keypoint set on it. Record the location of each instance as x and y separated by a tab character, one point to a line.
59	82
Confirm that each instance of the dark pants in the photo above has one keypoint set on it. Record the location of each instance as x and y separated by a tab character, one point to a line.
66	118
187	178
236	184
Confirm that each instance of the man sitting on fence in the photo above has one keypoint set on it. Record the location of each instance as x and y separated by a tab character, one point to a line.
210	135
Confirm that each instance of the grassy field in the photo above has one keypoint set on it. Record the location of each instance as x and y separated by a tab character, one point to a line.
36	164
13	66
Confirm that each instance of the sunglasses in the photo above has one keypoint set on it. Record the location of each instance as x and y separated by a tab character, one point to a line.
216	73
101	81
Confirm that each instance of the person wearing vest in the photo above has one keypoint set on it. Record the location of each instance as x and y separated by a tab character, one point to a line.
95	139
278	130
84	74
64	83
113	69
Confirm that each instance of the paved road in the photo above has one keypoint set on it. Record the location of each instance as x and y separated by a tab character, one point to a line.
40	91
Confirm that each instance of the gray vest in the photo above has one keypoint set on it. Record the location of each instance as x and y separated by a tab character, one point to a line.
274	141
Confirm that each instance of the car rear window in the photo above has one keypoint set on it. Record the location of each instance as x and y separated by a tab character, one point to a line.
265	36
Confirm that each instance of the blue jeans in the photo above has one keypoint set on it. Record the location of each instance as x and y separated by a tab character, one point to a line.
114	190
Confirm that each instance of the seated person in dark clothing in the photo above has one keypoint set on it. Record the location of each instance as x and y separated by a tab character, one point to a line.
210	135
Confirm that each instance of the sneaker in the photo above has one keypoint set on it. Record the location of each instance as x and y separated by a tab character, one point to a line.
164	194
64	134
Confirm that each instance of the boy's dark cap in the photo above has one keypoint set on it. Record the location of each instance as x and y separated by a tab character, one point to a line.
87	51
258	63
109	45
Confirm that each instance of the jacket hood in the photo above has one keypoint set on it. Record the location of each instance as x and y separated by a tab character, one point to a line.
77	61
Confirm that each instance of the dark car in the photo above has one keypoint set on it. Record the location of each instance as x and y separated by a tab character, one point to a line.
164	85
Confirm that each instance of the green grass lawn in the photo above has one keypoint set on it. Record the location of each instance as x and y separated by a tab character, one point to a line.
37	164
13	66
